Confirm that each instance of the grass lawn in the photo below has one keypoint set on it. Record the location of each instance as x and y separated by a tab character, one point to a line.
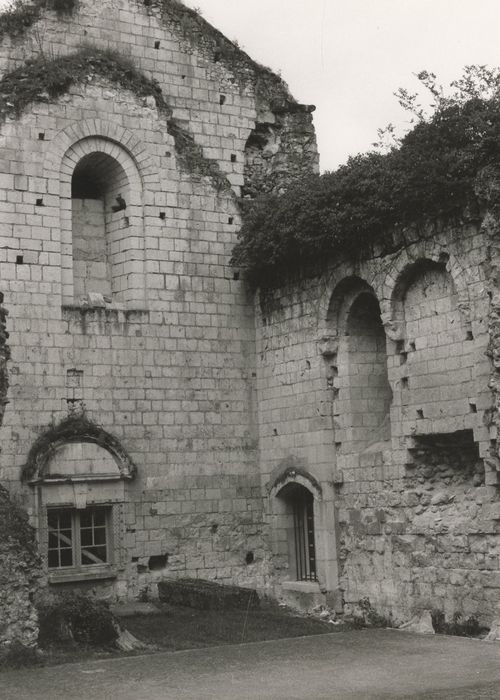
176	628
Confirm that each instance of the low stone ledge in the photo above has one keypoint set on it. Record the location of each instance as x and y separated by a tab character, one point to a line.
206	595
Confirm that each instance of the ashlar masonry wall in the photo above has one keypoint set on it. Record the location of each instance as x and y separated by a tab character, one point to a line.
373	391
131	410
165	374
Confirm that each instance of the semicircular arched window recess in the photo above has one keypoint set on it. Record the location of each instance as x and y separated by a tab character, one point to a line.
102	224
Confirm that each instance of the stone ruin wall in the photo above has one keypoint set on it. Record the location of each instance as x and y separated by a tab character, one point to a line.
393	417
20	576
20	571
165	360
375	380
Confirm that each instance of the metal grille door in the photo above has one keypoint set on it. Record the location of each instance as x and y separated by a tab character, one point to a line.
305	551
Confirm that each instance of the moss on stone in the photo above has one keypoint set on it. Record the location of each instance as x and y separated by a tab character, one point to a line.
191	157
22	15
44	80
187	23
200	35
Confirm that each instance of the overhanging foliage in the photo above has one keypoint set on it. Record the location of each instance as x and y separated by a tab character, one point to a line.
347	212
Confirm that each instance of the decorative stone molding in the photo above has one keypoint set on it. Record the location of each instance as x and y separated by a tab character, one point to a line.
73	429
295	475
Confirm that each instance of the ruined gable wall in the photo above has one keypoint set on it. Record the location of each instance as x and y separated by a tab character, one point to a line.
415	500
214	89
166	373
19	577
166	364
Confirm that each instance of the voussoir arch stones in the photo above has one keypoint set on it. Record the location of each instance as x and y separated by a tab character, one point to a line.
114	134
282	477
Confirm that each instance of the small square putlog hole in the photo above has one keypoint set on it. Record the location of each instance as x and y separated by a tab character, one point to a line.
157	562
249	558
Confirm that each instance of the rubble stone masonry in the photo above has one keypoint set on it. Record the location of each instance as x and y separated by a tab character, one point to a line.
20	572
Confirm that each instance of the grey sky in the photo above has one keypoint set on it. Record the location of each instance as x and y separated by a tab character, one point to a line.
348	56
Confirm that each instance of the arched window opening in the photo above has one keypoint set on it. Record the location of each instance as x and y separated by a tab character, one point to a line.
366	381
299	526
99	195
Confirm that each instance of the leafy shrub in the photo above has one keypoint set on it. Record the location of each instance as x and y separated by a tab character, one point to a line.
367	616
430	175
18	655
76	616
63	6
459	626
